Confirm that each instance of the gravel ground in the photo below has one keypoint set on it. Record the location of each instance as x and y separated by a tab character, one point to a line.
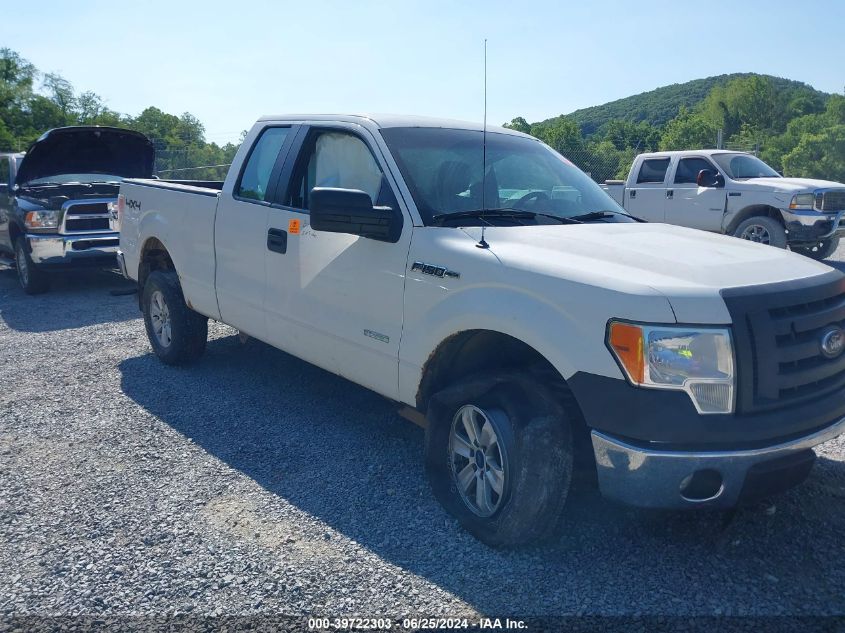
253	483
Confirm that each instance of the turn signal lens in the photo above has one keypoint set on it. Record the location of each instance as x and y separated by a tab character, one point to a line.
627	343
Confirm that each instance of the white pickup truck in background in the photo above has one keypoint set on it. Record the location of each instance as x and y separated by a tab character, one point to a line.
531	322
737	194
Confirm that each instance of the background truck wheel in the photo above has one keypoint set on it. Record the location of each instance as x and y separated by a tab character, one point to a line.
822	251
177	333
762	229
33	280
499	457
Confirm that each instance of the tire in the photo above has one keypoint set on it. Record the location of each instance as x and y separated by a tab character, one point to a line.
822	251
33	280
178	335
531	459
763	230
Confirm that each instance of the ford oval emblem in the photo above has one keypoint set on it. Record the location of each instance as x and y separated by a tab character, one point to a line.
833	342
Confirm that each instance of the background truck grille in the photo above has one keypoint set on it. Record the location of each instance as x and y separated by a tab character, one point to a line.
778	331
87	217
831	201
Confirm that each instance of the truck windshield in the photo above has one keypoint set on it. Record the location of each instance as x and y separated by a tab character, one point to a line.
744	166
443	170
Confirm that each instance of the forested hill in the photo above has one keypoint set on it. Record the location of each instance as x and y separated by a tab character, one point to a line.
658	107
792	126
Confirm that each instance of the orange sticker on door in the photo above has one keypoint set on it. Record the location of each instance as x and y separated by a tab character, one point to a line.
293	227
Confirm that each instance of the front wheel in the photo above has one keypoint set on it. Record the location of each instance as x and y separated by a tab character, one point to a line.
763	230
177	334
499	457
821	251
33	280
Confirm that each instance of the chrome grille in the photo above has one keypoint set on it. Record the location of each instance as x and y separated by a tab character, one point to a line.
831	200
85	216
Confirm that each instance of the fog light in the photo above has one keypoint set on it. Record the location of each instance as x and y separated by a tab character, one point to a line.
702	485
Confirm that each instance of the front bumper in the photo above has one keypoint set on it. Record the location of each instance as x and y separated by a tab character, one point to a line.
121	264
59	250
810	226
713	479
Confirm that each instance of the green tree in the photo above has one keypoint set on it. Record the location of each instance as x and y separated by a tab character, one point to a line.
689	130
819	155
563	135
519	124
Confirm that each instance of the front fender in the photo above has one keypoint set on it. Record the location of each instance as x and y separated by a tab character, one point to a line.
569	333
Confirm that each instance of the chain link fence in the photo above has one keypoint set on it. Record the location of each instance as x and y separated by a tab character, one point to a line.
188	164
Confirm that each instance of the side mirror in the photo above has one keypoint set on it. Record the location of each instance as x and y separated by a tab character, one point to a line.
351	211
710	178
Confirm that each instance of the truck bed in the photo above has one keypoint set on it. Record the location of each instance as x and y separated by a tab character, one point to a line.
174	212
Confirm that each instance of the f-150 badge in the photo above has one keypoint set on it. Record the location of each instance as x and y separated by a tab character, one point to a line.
434	271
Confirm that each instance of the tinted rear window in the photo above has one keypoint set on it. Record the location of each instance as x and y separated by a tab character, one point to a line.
653	170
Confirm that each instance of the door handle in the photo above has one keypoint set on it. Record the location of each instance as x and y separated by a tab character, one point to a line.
277	240
632	193
670	194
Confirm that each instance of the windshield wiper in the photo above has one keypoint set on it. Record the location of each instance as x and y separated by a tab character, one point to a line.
483	213
502	212
598	215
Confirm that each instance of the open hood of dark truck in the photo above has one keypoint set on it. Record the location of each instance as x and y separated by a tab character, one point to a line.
88	150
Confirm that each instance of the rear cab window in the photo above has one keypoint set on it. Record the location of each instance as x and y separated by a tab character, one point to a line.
255	178
653	171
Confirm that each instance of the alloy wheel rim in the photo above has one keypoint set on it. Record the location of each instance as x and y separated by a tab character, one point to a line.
757	233
160	319
478	460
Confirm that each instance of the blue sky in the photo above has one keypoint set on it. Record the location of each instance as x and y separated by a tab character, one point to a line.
230	62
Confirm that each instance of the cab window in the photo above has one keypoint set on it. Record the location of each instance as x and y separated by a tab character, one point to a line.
255	178
338	159
653	170
688	169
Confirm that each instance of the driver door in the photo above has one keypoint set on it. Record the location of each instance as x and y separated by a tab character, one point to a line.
6	203
687	204
335	299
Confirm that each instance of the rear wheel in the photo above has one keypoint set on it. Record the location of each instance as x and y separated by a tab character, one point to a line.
499	457
763	230
177	334
823	250
33	280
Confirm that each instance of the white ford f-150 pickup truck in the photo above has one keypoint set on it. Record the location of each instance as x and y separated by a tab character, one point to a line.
737	194
500	293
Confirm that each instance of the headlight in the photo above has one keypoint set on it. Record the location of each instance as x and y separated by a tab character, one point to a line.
698	360
802	201
42	219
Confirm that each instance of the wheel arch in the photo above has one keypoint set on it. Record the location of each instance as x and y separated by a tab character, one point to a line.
473	351
153	256
751	211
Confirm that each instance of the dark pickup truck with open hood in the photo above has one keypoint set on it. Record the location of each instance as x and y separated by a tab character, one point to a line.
60	210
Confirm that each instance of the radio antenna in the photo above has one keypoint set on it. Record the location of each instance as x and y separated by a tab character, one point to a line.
483	243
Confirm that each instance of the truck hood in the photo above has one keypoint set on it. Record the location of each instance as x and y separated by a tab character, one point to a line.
687	266
787	185
88	150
